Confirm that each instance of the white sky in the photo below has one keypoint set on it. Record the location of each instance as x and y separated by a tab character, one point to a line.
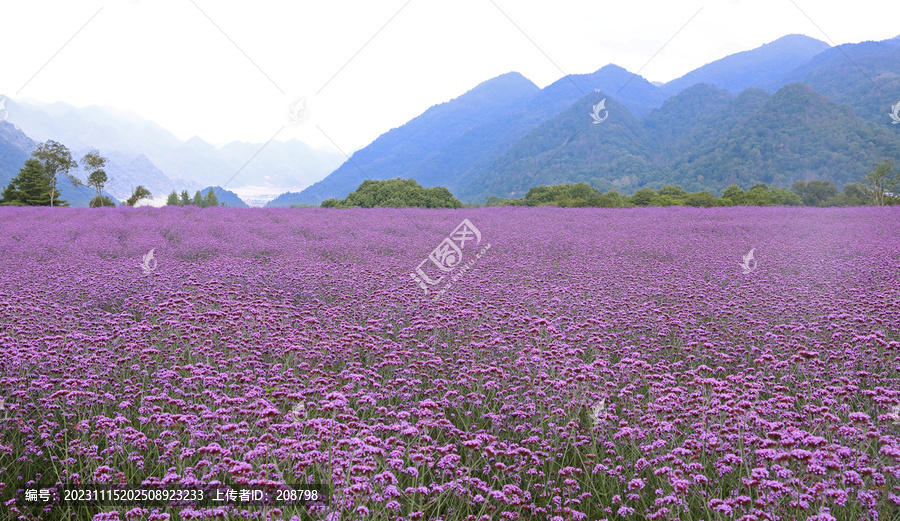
166	61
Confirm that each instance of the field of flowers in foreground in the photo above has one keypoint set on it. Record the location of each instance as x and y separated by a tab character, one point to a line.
594	364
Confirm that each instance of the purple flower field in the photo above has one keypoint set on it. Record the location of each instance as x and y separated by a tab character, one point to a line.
593	364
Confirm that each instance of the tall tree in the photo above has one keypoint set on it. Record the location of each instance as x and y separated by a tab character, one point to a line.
139	193
56	159
30	188
881	179
185	198
93	163
173	199
816	192
198	199
211	200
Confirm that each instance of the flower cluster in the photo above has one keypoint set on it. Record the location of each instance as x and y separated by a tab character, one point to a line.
599	364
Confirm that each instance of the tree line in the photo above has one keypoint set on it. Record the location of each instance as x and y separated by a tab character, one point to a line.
36	183
185	199
878	189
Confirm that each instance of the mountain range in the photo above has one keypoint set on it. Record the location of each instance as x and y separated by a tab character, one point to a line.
142	152
792	109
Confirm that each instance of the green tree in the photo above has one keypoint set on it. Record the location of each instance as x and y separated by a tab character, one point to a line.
700	199
173	200
814	193
97	202
734	195
858	193
55	159
185	198
139	193
762	195
665	200
93	163
30	188
675	192
643	197
396	193
211	199
881	179
198	199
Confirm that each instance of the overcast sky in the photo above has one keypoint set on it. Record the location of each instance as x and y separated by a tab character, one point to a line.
226	70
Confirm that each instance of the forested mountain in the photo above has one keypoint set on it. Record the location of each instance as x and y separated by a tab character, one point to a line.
869	81
522	145
568	146
766	66
797	134
473	132
714	141
792	109
397	151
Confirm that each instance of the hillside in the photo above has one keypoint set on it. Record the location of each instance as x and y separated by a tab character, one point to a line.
870	83
714	140
797	134
395	152
457	157
229	198
15	148
766	66
570	147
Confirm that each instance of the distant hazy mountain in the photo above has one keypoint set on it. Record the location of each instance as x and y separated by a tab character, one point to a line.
187	165
16	148
228	197
764	66
124	174
452	143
